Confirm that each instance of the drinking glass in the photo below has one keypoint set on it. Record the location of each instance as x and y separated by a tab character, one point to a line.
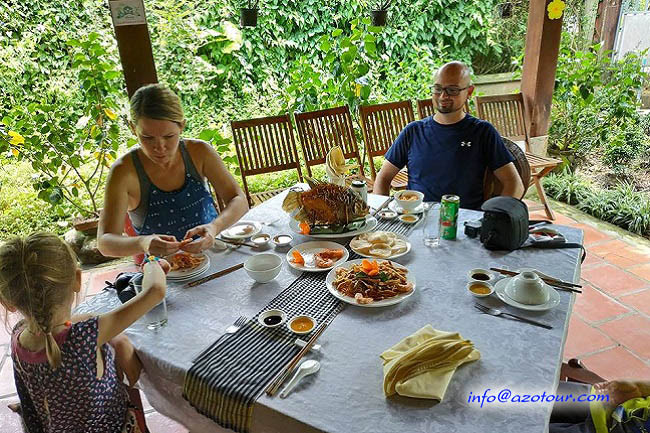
431	226
157	316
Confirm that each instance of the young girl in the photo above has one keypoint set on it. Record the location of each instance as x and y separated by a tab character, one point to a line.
64	369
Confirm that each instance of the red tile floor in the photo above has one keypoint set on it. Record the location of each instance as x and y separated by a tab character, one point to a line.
609	327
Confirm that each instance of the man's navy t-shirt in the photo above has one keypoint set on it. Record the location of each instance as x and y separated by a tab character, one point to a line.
449	159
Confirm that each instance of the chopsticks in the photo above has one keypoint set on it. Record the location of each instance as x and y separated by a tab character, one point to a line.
559	284
213	276
383	205
277	382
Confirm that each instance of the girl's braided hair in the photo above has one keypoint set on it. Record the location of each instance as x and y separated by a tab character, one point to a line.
37	274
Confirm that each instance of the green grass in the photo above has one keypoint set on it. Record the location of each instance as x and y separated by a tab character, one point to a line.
21	211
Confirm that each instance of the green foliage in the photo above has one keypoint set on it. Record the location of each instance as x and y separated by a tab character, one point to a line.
346	58
69	144
623	205
595	104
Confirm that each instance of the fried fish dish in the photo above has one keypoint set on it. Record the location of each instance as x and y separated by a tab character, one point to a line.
325	207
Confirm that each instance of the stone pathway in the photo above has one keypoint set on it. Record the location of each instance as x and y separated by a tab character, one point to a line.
609	326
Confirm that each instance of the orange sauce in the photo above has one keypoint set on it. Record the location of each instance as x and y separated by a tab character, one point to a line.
479	289
409	218
302	324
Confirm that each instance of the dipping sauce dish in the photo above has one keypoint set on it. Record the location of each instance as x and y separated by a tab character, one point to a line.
301	324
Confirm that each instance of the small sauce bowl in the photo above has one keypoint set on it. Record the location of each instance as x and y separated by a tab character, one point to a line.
282	240
480	275
260	239
301	324
272	318
387	214
408	219
480	289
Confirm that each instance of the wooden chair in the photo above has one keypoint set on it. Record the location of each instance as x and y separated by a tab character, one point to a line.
381	124
493	187
425	108
506	113
264	145
319	131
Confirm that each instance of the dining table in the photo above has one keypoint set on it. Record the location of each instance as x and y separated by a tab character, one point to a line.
347	394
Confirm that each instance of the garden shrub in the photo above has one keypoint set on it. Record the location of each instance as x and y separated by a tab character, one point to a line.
623	205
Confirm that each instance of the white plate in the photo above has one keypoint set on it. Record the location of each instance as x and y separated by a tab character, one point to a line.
331	276
309	249
394	256
183	274
394	206
371	223
500	290
234	231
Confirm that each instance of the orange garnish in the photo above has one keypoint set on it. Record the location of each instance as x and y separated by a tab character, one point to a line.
298	258
304	228
370	268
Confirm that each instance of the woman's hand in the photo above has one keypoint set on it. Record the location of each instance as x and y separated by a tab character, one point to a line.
160	245
207	233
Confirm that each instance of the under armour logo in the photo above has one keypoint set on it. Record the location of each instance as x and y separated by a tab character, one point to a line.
465	143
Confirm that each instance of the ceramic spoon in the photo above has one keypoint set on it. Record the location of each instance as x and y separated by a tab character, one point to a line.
306	368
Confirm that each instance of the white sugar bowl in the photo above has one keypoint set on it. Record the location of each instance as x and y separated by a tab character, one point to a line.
528	288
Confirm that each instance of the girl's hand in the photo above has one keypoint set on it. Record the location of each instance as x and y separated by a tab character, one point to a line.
160	245
207	235
619	391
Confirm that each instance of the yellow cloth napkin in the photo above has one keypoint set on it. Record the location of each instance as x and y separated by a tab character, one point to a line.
421	365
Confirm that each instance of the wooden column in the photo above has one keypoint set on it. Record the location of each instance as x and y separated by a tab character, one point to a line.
136	55
606	27
540	63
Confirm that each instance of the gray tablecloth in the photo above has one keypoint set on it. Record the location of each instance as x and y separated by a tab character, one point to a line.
346	395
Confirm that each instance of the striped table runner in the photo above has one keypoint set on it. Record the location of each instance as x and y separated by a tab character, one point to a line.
226	382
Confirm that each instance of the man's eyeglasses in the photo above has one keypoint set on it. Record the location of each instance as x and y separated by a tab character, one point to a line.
451	90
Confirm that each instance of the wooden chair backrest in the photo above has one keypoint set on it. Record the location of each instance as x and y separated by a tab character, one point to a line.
493	187
265	145
381	124
506	113
425	108
319	131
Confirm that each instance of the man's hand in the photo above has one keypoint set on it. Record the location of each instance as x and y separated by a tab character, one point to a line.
207	235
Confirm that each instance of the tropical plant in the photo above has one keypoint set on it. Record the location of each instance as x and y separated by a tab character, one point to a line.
70	145
343	79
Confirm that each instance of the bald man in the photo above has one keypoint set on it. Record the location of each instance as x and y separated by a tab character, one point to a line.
449	152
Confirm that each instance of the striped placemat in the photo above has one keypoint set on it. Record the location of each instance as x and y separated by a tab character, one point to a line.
224	384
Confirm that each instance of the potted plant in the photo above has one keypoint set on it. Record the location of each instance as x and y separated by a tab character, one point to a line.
248	17
380	13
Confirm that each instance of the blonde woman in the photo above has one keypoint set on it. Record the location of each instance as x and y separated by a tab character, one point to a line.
64	367
162	186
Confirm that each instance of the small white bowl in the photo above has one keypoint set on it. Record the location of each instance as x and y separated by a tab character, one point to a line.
263	267
409	219
481	284
260	239
284	237
490	276
387	214
528	288
268	313
302	317
409	205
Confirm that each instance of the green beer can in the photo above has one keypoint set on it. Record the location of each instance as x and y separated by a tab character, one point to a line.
449	216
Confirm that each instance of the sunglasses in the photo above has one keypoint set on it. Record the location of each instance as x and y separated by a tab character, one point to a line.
451	91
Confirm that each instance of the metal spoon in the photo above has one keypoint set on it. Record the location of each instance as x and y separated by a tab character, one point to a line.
306	368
